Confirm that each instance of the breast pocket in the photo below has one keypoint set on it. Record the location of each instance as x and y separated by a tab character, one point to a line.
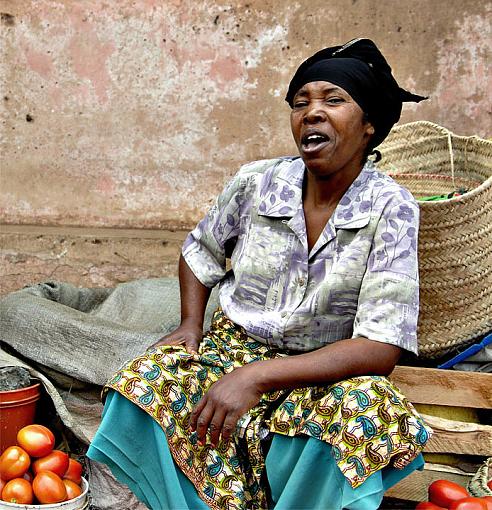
261	270
353	247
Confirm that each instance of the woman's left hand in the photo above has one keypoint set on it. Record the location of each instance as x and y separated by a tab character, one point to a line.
224	403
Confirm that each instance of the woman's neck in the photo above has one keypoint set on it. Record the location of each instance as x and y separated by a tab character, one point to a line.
324	192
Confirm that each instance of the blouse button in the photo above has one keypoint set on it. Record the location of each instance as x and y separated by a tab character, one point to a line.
302	282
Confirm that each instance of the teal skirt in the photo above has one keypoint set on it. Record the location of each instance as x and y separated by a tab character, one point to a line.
301	471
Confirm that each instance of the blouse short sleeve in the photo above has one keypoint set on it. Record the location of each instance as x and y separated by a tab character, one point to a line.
204	249
389	295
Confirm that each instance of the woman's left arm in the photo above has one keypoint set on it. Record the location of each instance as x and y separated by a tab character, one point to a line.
237	392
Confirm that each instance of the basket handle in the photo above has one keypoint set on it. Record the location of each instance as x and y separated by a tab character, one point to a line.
451	157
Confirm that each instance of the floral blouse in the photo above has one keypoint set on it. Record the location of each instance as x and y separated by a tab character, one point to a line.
359	279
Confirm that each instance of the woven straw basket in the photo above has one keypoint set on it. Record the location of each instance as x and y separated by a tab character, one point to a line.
455	239
477	486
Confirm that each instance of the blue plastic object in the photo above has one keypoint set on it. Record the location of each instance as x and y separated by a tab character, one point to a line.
470	351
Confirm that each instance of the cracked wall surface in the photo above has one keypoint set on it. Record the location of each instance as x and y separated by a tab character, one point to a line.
85	257
133	114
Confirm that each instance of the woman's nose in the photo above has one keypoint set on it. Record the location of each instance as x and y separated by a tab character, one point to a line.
314	114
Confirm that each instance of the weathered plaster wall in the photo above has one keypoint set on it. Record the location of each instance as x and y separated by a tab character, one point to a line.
134	113
95	257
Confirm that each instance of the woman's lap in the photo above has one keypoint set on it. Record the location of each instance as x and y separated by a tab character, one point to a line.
366	421
301	471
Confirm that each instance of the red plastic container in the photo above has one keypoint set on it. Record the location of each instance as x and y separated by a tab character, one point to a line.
17	409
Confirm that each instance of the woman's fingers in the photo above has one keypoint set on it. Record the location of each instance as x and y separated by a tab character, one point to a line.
192	345
175	341
167	341
184	334
229	426
222	405
216	427
202	421
217	422
170	339
196	413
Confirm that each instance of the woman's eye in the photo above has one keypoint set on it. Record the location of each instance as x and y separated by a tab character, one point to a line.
335	100
300	104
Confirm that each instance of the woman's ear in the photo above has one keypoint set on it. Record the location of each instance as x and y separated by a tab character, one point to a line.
369	127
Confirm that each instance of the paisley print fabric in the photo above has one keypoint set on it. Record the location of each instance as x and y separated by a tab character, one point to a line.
359	279
366	420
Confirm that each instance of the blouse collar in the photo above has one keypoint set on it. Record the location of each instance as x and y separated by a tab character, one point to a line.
281	194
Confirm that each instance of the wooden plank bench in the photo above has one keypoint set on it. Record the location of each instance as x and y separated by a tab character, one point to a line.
445	388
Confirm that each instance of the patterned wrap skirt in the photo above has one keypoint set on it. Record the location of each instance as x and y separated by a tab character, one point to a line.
366	420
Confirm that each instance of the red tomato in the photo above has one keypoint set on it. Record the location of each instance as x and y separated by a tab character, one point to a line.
56	461
14	462
427	505
488	500
18	491
73	490
489	484
49	488
74	471
468	504
37	440
443	492
2	485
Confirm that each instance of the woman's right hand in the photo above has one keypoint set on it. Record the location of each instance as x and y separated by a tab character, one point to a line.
188	333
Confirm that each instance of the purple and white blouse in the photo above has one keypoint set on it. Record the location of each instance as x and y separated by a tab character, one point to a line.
359	279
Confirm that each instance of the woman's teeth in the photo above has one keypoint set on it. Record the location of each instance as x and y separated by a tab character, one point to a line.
314	141
315	138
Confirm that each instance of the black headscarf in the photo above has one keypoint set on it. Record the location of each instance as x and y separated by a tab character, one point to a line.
361	70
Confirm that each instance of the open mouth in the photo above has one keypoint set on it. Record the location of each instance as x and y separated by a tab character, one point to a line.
314	141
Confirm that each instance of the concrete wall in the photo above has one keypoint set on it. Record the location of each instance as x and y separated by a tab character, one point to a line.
133	113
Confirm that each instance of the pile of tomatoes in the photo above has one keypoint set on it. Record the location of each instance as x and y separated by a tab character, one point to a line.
444	494
34	472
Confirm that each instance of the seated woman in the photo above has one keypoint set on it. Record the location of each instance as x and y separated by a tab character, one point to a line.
284	402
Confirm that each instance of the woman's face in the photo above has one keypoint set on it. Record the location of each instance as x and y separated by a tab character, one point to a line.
329	129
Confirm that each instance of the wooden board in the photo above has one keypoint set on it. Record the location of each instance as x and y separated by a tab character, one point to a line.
463	438
414	486
451	388
472	443
444	387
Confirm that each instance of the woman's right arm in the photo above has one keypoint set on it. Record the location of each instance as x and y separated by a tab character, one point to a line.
194	298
